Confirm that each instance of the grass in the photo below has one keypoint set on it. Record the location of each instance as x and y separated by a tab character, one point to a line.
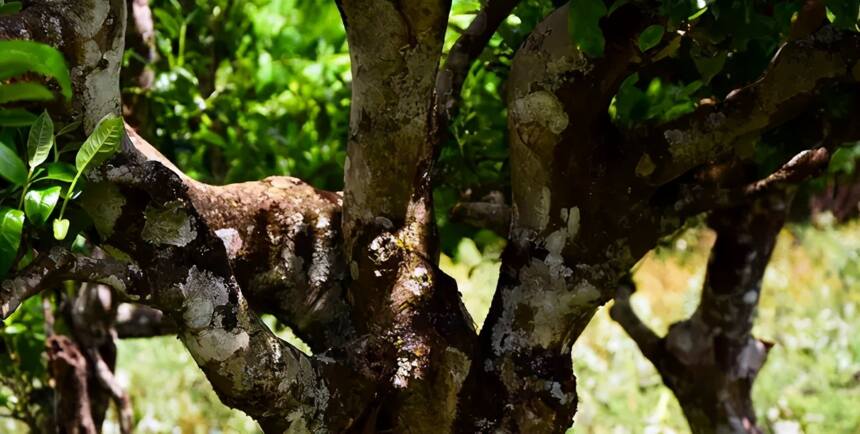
809	309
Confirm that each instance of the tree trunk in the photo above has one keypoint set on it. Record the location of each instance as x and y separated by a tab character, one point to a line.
710	360
356	274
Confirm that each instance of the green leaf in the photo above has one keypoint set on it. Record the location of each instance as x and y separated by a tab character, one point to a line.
59	172
709	67
650	37
68	128
584	26
40	140
101	144
10	8
24	92
16	117
36	57
14	329
11	225
845	13
11	167
61	229
38	204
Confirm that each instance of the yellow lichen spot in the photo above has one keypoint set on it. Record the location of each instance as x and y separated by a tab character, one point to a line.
645	167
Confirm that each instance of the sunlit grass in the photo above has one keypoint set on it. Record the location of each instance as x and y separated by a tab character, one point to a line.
809	309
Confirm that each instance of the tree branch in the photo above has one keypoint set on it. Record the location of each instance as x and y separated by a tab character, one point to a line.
463	54
138	321
821	59
488	215
696	198
622	312
57	265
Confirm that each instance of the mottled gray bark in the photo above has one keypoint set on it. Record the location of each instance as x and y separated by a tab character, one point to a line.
356	275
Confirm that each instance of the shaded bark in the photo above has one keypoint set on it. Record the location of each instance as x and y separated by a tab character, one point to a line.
136	321
68	368
710	360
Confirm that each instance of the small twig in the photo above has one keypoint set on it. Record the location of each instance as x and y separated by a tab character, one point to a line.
59	265
107	379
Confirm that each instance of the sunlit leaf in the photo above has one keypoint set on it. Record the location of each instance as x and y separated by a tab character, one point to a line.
11	225
36	57
40	140
39	203
101	144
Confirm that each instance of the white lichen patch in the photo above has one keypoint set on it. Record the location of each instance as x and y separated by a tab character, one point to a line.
554	388
202	292
216	345
541	212
540	108
572	221
383	247
170	225
418	283
412	360
551	296
576	61
232	241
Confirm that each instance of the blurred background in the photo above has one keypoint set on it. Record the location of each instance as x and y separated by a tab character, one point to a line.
241	90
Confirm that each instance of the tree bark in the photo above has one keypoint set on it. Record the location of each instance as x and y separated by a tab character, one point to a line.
710	360
356	275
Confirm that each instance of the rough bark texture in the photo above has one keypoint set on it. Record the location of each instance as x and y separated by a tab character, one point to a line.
356	275
711	359
69	370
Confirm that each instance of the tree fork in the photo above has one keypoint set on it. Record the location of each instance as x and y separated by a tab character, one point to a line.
711	359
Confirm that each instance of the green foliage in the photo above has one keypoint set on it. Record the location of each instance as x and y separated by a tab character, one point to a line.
9	8
651	37
40	203
844	14
659	101
40	140
584	26
11	225
24	388
262	88
23	56
12	168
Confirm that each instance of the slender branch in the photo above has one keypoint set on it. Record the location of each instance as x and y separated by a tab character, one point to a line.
106	378
622	312
821	59
488	215
58	265
465	51
806	164
139	321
